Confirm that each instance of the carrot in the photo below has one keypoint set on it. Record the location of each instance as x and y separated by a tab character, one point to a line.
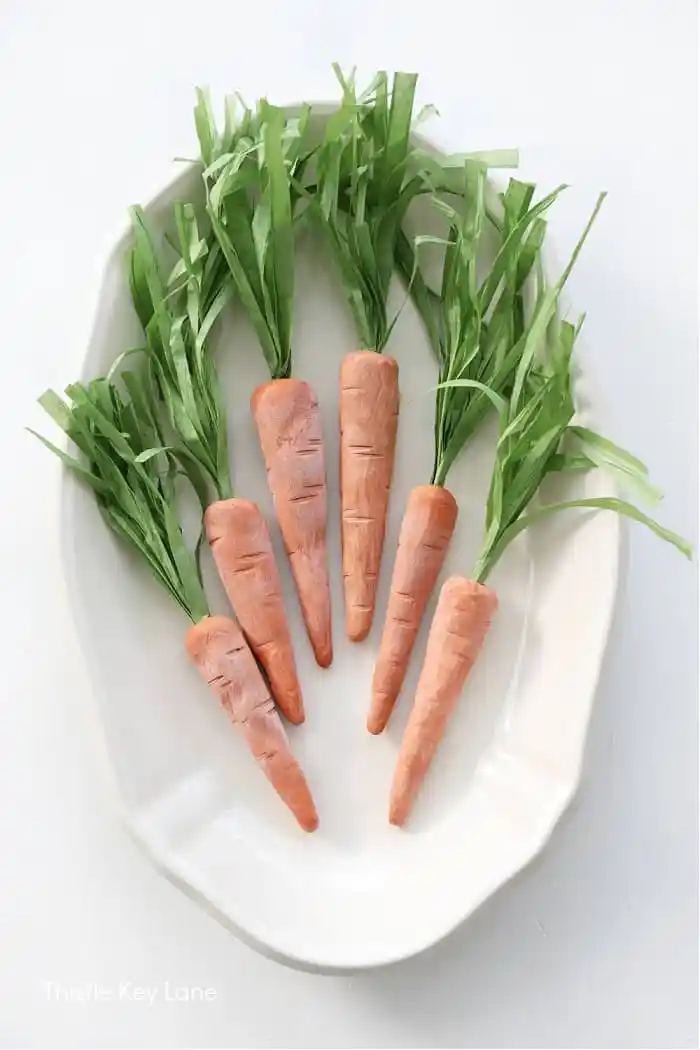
240	543
367	175
537	436
426	531
461	622
369	409
132	478
236	529
219	652
289	427
251	196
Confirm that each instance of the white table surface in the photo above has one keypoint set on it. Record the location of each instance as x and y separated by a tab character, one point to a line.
595	944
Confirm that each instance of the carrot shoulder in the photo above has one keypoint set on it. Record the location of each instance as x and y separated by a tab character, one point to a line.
219	651
289	427
242	549
369	409
426	530
461	622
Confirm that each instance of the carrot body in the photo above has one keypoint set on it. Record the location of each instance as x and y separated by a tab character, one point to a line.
426	530
289	427
461	622
219	651
242	549
369	410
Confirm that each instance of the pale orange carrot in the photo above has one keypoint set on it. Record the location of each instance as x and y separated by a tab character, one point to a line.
289	426
369	409
242	549
426	530
219	651
461	622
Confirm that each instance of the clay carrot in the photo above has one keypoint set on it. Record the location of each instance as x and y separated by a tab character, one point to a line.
132	477
250	200
362	192
537	436
477	334
177	318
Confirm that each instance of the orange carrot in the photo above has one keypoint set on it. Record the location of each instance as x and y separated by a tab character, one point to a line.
363	222
369	408
461	622
426	531
289	426
219	651
242	550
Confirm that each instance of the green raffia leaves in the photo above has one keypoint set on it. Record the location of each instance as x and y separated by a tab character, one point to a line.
177	317
131	475
478	331
601	452
537	429
617	506
365	181
253	175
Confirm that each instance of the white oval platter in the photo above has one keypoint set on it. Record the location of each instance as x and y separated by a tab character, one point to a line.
357	893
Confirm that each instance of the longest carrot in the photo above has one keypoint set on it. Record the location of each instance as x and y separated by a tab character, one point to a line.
250	201
537	436
177	319
133	480
477	334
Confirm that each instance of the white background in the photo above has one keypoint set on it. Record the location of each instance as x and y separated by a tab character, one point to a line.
595	944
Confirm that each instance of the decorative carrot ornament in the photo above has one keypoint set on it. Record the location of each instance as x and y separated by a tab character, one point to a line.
177	317
250	180
131	474
537	437
477	332
364	187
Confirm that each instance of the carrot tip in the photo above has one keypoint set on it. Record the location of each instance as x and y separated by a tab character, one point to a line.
396	818
375	725
358	636
309	825
323	656
358	624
